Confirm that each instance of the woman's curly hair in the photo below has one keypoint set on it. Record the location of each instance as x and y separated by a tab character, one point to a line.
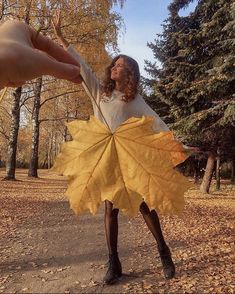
133	77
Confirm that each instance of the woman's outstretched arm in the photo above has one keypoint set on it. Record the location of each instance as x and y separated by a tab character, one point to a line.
90	82
56	22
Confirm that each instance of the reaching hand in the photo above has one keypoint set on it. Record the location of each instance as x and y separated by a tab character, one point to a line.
56	22
25	55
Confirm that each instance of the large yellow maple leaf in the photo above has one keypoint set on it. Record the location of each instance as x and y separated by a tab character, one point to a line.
131	165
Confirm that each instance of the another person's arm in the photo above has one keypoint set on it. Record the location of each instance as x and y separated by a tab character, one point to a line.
25	55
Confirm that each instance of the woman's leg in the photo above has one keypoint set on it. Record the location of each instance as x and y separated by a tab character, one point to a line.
111	226
111	231
153	223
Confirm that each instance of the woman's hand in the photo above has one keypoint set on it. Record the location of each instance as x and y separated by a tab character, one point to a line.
25	54
56	23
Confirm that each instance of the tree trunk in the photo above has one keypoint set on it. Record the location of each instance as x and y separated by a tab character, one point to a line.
12	146
206	181
67	135
196	171
45	164
233	171
53	149
33	166
49	151
217	170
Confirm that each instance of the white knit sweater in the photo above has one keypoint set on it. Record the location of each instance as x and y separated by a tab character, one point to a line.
113	108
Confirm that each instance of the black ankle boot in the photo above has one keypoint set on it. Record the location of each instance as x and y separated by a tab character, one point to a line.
114	271
167	263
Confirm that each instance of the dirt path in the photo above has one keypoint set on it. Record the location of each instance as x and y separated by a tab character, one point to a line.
45	248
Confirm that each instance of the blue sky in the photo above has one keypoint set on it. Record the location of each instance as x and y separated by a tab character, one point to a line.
143	19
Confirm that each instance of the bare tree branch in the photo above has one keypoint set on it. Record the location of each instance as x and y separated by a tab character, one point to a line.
53	97
62	118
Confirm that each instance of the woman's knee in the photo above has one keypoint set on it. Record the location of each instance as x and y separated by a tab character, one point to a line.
109	210
144	208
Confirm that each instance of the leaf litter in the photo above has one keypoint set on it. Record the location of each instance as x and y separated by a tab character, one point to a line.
202	241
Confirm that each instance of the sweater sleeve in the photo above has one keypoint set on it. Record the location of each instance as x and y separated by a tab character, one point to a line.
158	125
90	82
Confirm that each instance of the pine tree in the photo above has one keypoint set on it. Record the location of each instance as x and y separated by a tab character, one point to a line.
197	78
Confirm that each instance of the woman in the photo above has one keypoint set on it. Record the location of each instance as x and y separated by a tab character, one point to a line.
119	100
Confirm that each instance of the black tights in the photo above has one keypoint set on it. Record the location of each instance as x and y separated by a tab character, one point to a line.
111	226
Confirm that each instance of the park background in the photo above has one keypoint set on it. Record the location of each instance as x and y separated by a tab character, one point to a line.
186	54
